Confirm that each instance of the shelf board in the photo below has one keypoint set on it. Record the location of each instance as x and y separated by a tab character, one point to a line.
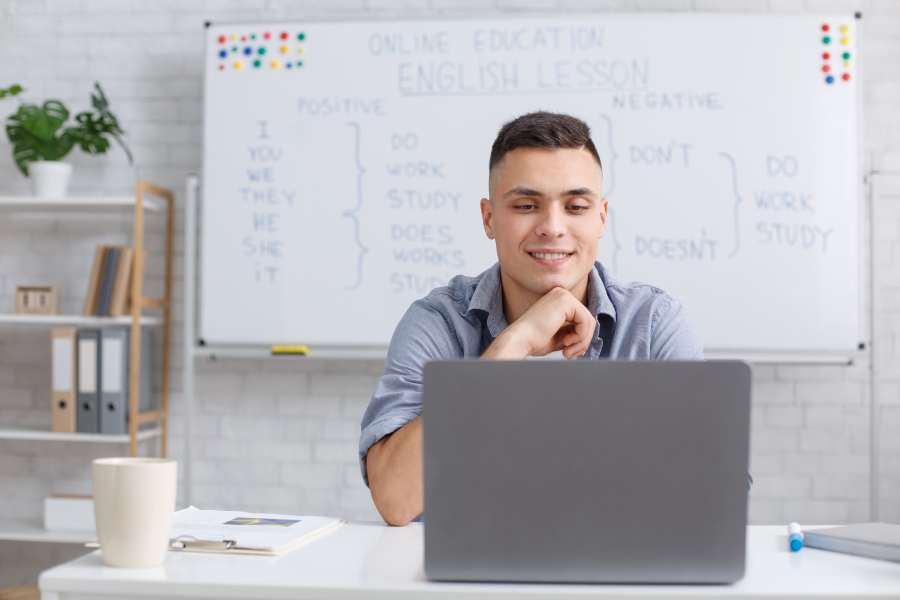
28	530
42	435
77	203
72	320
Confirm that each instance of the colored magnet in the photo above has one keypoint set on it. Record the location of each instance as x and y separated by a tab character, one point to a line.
283	49
825	68
261	51
248	51
826	40
275	63
829	79
846	76
825	27
267	35
825	56
845	56
845	41
238	65
222	39
223	53
284	35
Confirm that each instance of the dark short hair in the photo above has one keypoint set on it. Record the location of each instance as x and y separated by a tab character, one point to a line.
543	130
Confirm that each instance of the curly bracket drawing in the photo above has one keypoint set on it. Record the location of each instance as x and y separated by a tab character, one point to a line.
352	214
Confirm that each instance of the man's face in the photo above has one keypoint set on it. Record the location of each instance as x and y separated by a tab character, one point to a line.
546	213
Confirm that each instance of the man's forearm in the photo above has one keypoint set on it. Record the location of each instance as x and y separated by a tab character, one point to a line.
396	480
394	464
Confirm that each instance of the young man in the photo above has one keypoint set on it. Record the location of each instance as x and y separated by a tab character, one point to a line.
547	293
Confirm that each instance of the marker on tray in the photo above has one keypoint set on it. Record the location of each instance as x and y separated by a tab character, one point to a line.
290	349
795	537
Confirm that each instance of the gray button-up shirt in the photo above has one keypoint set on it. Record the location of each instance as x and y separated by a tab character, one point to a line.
634	321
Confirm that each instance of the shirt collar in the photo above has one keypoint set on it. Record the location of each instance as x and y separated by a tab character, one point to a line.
488	297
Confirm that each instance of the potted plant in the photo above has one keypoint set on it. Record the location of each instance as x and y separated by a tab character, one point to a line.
41	136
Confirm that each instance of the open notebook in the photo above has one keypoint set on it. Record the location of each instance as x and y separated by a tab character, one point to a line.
236	532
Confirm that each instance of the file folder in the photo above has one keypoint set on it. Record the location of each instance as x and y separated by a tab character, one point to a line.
114	380
115	352
62	384
88	358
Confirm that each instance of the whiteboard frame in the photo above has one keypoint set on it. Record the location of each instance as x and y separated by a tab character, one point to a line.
199	348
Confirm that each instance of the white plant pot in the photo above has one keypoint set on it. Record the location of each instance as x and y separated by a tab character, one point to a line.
49	178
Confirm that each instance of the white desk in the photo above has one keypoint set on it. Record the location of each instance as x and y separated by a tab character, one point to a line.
365	560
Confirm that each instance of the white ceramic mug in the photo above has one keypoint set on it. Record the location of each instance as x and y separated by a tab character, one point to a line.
134	499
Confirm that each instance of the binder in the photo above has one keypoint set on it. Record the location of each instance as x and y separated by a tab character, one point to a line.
62	384
88	360
115	352
90	300
122	282
114	380
110	267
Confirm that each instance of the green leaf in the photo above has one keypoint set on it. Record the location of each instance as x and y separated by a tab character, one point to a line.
32	130
43	122
90	134
12	90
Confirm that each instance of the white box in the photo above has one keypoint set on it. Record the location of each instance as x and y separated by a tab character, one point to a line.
69	512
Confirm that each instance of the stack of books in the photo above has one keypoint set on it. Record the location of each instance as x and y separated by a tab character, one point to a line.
110	282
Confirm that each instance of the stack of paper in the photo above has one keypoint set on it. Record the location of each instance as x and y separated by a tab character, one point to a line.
246	533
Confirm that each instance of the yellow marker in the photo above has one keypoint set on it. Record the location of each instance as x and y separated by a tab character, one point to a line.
301	50
232	37
276	63
283	49
844	29
238	65
845	41
298	349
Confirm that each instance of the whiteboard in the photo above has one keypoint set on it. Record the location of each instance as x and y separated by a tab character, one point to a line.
344	163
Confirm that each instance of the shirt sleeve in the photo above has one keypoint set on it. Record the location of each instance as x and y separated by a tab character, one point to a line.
423	334
672	335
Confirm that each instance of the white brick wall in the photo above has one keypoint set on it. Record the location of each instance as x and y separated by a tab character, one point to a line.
279	436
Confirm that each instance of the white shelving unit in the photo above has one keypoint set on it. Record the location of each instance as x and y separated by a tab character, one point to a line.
145	426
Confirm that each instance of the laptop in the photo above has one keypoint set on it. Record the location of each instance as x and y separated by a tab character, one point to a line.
586	471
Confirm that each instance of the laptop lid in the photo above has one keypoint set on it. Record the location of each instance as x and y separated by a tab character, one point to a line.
586	471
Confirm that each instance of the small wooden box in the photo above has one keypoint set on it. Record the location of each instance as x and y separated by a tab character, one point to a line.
37	299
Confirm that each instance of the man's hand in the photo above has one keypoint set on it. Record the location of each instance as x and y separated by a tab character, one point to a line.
558	321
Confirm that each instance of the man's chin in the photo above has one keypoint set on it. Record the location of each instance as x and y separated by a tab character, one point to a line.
544	285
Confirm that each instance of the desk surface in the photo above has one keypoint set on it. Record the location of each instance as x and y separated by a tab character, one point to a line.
367	560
